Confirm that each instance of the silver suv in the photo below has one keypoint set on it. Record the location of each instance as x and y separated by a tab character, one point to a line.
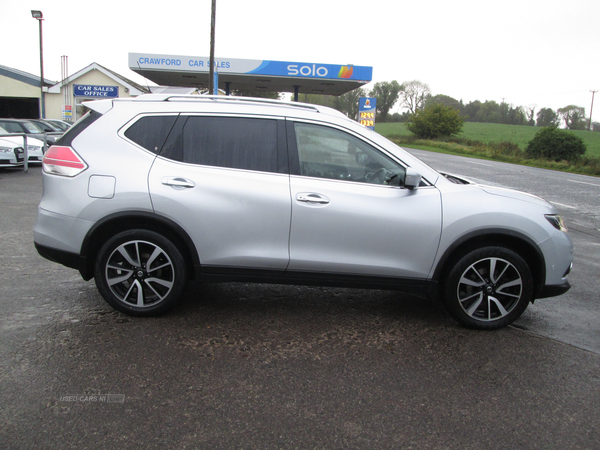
145	194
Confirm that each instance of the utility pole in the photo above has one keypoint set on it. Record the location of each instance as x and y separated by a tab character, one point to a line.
211	73
40	17
591	109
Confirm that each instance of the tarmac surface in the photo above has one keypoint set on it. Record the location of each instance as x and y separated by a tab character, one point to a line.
241	366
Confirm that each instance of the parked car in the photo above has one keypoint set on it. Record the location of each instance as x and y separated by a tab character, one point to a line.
61	124
11	154
35	147
25	126
145	194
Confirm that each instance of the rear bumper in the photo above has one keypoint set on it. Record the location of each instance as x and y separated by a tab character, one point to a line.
68	259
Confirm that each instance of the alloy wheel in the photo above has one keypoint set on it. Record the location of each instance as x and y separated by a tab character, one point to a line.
140	273
489	289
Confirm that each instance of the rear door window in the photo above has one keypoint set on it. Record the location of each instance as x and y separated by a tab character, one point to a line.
232	142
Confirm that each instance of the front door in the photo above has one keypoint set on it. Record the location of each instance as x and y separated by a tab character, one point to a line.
350	213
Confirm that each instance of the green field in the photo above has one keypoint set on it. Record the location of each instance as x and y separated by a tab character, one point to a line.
495	132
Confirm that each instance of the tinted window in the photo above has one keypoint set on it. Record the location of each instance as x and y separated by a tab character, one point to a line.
325	152
234	142
150	132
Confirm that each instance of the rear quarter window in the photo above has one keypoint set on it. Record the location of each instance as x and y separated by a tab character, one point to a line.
151	132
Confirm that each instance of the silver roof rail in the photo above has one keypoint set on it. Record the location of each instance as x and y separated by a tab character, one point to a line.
228	98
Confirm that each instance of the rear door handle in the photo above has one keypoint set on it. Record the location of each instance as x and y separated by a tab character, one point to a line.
312	198
178	182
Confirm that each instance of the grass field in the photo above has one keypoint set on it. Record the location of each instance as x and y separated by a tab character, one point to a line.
495	132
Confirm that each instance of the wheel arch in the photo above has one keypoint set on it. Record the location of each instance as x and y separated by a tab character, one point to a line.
116	223
517	242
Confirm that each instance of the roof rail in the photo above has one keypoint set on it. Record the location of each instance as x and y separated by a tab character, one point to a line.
183	97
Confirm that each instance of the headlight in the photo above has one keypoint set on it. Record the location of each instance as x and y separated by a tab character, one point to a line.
6	149
557	222
33	148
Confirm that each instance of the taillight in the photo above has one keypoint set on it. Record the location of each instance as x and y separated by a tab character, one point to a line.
60	160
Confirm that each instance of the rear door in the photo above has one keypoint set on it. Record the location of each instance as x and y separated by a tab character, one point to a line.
222	179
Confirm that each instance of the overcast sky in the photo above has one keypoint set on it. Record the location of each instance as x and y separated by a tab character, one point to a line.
527	52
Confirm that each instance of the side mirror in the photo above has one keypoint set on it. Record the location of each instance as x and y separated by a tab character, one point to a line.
412	178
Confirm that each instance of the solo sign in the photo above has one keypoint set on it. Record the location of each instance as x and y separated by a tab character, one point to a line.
367	107
86	90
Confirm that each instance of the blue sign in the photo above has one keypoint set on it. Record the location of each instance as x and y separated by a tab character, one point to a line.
367	108
86	90
169	63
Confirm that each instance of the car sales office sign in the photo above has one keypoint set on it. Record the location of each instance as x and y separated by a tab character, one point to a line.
86	90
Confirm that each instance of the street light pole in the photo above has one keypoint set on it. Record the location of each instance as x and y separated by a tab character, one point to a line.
39	16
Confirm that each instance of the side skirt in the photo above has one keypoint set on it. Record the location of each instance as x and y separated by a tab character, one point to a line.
414	286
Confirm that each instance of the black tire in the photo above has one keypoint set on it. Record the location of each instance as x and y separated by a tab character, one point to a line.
487	288
140	273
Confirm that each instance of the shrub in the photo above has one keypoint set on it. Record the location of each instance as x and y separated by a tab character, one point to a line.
505	148
555	144
436	121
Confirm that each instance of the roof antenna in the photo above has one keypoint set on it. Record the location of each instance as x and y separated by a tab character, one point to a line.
145	78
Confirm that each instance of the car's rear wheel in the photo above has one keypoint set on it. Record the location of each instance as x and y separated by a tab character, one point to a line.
140	273
488	288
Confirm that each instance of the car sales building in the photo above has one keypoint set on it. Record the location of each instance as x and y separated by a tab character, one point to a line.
20	92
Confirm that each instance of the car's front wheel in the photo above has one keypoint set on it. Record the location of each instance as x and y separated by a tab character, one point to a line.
488	288
140	273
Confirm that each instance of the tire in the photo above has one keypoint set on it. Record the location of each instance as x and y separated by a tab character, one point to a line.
488	288
140	273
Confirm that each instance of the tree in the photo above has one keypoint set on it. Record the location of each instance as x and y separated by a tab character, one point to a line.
413	95
444	100
489	112
573	116
257	93
556	145
515	116
436	120
530	113
348	103
387	93
547	118
471	109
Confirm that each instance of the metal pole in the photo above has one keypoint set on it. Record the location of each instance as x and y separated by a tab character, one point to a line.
26	153
211	73
591	109
42	99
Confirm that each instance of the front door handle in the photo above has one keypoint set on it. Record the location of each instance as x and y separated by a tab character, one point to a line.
313	199
178	182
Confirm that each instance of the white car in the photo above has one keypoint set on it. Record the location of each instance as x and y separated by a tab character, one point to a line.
35	149
11	154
